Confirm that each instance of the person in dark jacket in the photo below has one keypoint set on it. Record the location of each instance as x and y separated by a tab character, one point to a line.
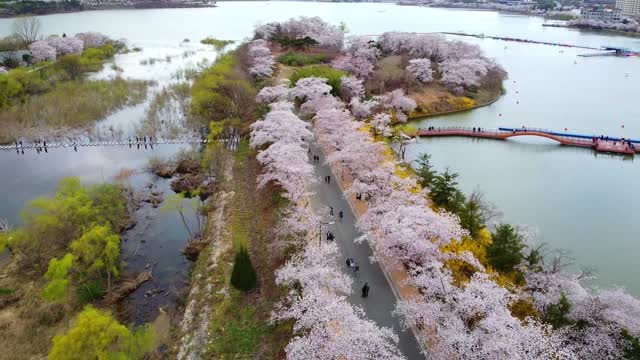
365	290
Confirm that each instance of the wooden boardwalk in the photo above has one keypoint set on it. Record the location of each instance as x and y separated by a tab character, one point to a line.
131	143
600	144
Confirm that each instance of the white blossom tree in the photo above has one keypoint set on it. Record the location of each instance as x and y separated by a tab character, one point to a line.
66	45
362	109
269	94
351	88
261	61
310	88
464	72
381	123
420	70
327	35
42	51
280	126
93	39
399	102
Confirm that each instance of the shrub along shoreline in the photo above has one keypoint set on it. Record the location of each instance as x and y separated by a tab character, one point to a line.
64	259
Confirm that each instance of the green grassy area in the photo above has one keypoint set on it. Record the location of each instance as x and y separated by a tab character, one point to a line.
322	71
70	104
5	291
216	43
301	59
239	325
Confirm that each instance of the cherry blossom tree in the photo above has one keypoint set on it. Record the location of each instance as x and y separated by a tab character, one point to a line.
280	126
261	62
325	323
361	67
327	35
420	70
351	88
282	106
333	124
430	46
41	51
287	165
93	39
399	102
464	72
66	45
266	31
318	103
270	94
310	88
362	109
381	123
363	47
295	227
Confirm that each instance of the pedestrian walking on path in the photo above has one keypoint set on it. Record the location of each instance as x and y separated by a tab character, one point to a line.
330	210
340	214
365	290
328	179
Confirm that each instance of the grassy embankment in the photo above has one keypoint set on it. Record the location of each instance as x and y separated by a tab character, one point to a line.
222	322
52	97
240	322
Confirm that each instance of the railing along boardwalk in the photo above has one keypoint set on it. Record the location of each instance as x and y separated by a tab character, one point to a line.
601	143
526	41
503	38
131	143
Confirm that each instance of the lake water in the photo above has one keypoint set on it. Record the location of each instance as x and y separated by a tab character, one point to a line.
577	200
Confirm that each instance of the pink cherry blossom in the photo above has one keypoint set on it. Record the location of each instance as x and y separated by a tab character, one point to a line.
93	39
310	88
270	94
381	123
361	67
280	126
464	72
66	45
420	70
261	62
362	109
41	51
327	35
351	88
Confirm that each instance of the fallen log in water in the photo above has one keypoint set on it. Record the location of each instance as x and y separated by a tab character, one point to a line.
127	287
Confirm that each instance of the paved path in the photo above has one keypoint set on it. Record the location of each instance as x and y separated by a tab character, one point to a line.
381	301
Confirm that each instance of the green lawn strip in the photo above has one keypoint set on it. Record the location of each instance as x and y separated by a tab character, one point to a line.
239	325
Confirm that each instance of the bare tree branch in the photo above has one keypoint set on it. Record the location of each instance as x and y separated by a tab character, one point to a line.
27	29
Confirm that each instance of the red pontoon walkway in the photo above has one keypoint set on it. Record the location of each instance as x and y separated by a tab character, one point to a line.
600	144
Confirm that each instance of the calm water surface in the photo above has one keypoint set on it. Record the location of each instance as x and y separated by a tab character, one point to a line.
578	201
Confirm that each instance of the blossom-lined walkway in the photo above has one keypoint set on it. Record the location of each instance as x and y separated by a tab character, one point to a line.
380	304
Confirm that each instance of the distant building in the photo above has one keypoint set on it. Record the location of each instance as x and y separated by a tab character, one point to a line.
629	7
601	14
